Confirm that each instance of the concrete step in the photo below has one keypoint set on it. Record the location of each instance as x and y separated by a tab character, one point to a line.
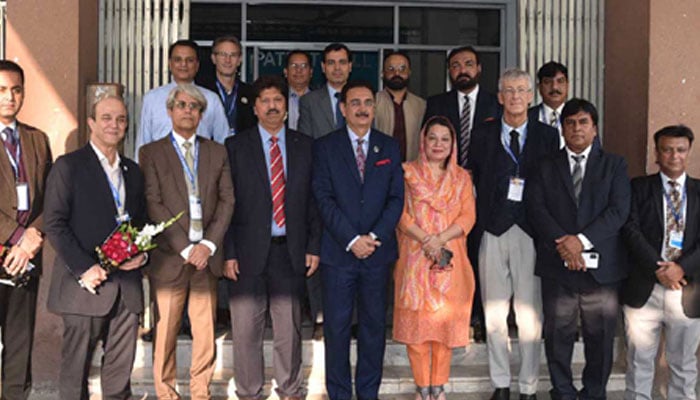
397	380
313	353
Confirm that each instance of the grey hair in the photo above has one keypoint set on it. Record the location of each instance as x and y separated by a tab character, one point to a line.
514	73
102	97
190	90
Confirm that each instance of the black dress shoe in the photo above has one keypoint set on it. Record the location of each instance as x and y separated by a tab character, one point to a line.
528	396
501	394
148	336
479	333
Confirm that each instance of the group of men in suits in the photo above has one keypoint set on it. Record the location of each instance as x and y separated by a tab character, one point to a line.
558	230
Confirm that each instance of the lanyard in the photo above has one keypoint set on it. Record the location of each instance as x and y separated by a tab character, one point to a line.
116	197
234	96
512	156
676	213
14	160
191	175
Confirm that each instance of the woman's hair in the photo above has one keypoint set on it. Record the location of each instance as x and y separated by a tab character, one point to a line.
443	121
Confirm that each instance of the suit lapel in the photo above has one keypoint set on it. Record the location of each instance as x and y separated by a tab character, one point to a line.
326	107
131	198
100	178
375	148
7	174
347	149
204	170
257	153
589	174
176	167
657	191
291	157
453	108
564	169
691	212
28	158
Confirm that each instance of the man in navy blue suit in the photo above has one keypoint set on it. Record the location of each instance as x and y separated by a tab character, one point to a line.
577	202
358	185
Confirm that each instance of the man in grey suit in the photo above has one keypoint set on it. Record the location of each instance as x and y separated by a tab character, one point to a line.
272	243
319	111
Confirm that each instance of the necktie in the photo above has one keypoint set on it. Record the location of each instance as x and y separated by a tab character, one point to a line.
515	143
577	175
465	127
672	253
360	158
339	119
554	119
10	144
277	182
195	224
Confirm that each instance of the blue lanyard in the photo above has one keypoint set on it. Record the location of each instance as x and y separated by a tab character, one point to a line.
115	191
512	156
16	159
234	95
191	175
677	214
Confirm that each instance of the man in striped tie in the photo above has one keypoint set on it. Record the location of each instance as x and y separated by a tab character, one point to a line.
272	244
553	84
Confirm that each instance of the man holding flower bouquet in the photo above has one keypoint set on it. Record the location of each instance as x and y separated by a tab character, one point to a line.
89	193
25	160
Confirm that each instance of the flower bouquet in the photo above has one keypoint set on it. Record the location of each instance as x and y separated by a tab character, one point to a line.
127	241
18	280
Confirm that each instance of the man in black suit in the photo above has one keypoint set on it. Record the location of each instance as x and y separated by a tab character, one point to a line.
467	106
89	192
662	291
553	84
502	156
236	96
578	200
273	242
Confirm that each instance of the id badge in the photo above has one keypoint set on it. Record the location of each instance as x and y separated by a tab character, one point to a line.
22	196
675	240
195	208
516	188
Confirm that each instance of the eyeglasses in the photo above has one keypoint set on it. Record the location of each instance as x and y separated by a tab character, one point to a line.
512	91
181	105
356	103
298	66
223	54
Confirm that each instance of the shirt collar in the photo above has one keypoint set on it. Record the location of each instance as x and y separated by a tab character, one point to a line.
665	179
354	136
585	153
521	129
472	95
548	110
293	93
331	91
181	140
103	158
265	135
12	125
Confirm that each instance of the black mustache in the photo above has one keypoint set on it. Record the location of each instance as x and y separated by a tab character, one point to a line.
555	91
272	110
464	76
362	114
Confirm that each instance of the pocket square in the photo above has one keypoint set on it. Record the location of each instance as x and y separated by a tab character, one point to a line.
382	162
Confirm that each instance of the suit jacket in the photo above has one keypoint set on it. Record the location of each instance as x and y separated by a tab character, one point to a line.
492	169
166	196
350	206
447	104
79	215
316	116
245	116
248	236
644	236
413	110
603	208
36	157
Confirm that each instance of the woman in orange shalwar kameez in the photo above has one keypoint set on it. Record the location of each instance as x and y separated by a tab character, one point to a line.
432	303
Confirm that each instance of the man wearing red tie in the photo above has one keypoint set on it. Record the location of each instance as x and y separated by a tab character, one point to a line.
272	244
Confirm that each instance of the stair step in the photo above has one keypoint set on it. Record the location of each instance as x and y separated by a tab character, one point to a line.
397	380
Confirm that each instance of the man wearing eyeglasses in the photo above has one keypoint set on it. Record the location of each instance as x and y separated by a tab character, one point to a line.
502	156
155	123
319	111
186	172
298	71
236	96
399	112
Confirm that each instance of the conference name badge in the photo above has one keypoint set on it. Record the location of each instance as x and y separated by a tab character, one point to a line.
516	188
22	196
675	240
